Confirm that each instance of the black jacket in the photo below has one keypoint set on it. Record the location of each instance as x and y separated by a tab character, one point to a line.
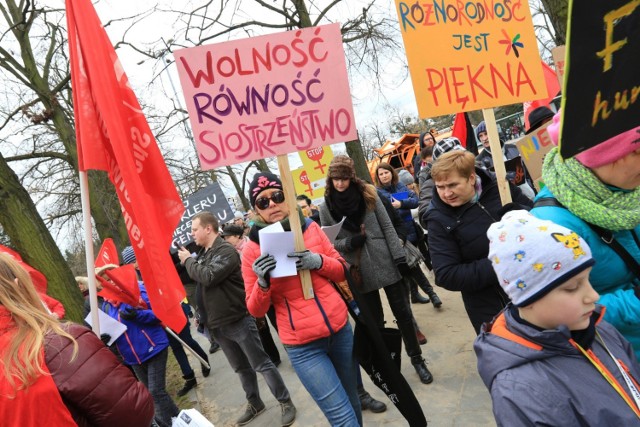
217	270
510	151
459	248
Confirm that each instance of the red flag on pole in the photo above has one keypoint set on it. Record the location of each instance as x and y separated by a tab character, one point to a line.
122	286
463	130
553	87
108	254
113	135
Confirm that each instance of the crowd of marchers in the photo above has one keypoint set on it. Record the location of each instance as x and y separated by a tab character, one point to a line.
549	282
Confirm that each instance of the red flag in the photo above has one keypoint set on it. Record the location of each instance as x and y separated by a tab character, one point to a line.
108	254
463	130
122	287
38	279
112	134
553	87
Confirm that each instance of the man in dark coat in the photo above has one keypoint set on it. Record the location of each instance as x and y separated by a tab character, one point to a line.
466	202
217	270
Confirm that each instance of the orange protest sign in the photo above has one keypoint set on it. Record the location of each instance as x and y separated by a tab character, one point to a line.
470	55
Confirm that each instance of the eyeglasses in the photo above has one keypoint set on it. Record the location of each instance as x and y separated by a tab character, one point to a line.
263	202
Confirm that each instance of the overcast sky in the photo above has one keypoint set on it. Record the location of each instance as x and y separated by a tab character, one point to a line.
368	102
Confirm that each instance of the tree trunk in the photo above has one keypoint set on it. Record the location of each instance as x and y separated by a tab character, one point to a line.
558	11
29	235
238	186
303	13
354	150
105	207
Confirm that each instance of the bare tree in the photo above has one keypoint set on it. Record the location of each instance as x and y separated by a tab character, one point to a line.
31	238
557	13
370	34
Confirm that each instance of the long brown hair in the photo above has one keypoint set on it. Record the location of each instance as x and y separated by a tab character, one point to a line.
22	359
388	167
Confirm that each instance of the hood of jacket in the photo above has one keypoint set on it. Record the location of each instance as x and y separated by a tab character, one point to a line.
506	344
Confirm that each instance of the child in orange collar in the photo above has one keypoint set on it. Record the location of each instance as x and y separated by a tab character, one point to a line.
549	358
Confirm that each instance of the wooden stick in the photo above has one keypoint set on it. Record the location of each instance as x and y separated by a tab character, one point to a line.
294	220
496	154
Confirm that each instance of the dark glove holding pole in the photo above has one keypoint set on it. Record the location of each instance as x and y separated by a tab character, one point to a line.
306	260
105	338
262	266
357	241
128	314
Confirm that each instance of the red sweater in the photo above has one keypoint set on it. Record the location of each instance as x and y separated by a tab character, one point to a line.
300	321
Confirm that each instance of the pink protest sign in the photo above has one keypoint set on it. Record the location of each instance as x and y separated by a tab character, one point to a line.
269	95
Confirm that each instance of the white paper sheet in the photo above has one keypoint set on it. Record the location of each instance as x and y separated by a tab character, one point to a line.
277	242
332	230
108	325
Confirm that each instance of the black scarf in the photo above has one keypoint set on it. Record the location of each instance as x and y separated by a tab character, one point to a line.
349	203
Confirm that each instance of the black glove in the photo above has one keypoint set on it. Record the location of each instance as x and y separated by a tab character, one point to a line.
128	313
262	266
404	269
105	338
357	241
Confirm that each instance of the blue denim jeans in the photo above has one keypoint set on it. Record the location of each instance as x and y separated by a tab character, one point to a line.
152	374
240	343
327	368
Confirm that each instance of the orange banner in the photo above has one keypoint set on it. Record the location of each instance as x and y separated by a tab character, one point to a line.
469	55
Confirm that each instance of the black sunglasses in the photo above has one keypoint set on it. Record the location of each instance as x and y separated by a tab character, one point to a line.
263	202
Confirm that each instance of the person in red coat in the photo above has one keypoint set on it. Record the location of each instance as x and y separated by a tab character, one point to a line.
315	332
58	374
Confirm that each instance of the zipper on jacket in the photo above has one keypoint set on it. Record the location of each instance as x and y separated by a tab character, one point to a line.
286	302
148	338
324	316
133	350
486	211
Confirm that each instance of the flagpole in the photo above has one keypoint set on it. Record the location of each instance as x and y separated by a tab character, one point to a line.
88	248
185	345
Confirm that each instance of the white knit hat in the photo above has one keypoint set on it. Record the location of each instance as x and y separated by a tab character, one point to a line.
532	256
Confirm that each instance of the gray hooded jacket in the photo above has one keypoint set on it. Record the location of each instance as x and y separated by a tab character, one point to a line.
552	384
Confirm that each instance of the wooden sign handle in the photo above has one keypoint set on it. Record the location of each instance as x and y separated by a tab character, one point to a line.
496	154
294	220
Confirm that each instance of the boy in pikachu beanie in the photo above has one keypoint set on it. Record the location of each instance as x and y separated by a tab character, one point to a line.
532	256
549	358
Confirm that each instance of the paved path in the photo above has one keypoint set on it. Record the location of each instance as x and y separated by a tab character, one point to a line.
457	396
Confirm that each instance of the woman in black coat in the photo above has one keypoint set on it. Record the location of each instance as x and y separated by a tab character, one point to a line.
466	202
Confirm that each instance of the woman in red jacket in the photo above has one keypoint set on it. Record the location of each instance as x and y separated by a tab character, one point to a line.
58	374
315	332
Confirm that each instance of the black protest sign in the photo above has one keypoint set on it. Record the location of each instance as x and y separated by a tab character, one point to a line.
514	169
210	198
602	81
